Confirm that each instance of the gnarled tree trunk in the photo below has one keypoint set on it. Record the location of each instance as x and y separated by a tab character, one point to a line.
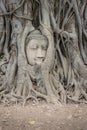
43	51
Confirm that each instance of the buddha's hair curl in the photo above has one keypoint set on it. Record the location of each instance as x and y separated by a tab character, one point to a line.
35	34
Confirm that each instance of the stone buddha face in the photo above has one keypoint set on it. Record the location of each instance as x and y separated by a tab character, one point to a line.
36	50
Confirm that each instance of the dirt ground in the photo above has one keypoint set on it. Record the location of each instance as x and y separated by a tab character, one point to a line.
43	117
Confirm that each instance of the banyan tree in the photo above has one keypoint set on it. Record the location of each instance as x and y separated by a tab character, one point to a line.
43	51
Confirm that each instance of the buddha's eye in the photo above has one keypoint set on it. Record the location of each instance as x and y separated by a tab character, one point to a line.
44	47
34	47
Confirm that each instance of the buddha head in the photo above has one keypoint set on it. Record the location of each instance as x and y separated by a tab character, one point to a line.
36	47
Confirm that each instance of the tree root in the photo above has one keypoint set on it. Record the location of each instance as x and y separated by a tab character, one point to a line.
75	100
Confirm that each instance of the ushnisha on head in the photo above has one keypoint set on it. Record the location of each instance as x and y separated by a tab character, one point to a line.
36	47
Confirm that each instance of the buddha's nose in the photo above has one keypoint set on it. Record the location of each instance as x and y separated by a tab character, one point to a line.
40	53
